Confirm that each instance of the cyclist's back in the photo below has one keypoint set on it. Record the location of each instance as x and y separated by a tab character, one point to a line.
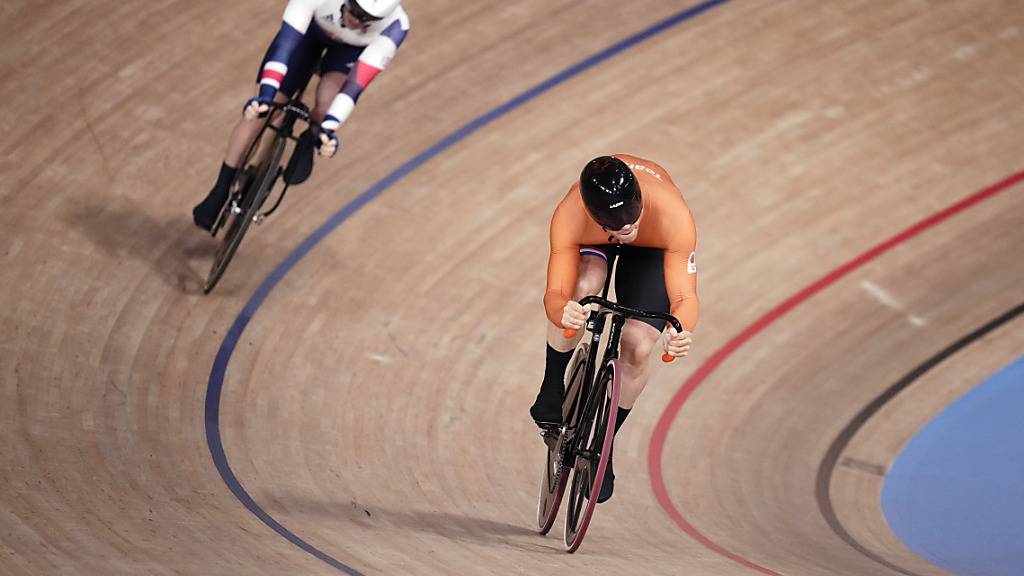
666	224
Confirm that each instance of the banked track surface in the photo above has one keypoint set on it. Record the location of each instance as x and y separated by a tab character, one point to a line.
376	403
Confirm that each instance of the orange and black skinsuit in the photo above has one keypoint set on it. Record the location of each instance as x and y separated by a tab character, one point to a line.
656	272
666	229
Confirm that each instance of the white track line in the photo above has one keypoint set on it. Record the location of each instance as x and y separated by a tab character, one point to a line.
888	300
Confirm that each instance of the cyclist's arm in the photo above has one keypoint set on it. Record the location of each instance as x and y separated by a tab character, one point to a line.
297	18
681	270
371	62
563	263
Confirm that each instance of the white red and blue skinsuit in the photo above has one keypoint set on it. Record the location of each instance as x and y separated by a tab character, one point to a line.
315	27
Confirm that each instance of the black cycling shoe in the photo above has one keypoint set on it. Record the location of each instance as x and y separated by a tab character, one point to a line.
547	413
206	212
608	485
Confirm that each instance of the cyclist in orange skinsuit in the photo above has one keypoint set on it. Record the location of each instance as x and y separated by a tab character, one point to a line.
632	202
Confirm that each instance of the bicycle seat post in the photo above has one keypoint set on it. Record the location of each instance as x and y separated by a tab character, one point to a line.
611	270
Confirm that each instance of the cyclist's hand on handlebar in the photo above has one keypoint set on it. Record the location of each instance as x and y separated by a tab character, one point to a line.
327	143
574	316
676	344
255	108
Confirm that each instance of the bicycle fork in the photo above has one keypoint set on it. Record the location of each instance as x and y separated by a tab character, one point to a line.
578	435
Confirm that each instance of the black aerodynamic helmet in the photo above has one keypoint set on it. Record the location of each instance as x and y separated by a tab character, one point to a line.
610	192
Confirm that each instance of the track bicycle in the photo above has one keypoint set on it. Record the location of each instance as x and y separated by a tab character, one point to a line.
578	450
254	182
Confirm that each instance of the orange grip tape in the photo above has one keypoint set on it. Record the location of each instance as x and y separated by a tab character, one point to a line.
569	333
667	358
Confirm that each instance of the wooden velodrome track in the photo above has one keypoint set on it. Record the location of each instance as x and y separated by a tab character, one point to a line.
375	403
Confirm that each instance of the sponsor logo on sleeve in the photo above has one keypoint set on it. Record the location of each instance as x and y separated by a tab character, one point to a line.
691	264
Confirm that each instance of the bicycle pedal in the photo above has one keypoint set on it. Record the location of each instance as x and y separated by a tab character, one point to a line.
550	429
549	435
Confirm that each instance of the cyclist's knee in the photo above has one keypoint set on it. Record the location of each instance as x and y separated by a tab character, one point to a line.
638	340
593	271
327	90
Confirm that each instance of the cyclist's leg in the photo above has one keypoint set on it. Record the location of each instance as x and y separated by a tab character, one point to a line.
300	166
334	69
547	408
639	283
330	84
337	63
243	134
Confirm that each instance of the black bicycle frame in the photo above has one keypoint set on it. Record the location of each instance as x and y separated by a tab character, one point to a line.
596	325
293	110
297	110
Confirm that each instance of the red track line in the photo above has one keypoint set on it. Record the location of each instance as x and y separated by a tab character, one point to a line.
657	446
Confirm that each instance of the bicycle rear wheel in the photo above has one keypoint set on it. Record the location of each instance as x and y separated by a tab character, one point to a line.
258	181
593	442
552	485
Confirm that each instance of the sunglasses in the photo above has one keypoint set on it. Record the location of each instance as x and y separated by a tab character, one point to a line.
358	13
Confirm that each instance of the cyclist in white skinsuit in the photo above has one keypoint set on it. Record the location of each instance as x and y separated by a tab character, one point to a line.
357	39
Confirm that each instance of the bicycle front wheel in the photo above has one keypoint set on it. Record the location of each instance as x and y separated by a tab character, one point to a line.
248	207
593	441
553	482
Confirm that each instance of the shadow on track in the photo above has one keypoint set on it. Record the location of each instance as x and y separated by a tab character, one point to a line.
174	248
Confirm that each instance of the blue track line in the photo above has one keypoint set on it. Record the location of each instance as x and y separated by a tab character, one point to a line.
227	347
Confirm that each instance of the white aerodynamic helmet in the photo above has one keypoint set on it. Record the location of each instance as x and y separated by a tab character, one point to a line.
369	10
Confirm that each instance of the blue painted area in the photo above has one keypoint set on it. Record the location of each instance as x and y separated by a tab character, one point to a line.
227	347
955	495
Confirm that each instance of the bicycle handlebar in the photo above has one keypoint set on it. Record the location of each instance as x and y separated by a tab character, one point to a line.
295	106
628	313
